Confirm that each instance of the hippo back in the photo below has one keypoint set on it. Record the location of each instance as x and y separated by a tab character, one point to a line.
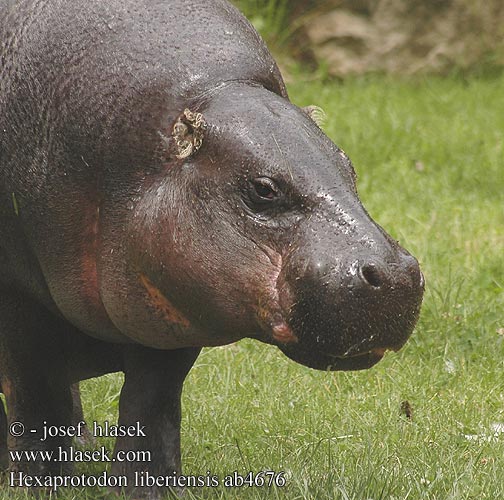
69	66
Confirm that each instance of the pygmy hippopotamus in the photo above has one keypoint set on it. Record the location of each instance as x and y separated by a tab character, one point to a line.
160	193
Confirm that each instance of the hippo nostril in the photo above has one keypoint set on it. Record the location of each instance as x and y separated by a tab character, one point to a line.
371	275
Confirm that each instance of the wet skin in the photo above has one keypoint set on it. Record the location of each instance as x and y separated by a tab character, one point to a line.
160	193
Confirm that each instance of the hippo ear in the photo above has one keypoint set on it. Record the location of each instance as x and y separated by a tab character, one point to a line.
188	133
316	114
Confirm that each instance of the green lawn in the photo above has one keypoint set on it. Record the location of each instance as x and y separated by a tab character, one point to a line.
429	156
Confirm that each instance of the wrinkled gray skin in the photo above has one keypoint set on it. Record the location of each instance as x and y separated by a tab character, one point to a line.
117	254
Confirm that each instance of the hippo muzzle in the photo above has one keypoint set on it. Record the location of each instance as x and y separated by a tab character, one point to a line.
346	319
349	291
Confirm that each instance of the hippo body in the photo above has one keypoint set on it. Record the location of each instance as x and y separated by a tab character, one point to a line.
160	193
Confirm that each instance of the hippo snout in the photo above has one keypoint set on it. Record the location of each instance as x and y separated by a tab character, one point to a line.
347	315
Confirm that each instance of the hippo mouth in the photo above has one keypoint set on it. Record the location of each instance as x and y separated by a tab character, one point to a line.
359	345
324	361
330	356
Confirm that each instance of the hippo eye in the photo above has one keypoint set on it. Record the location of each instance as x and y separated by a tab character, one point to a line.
264	190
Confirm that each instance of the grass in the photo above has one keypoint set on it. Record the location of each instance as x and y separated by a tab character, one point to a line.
429	156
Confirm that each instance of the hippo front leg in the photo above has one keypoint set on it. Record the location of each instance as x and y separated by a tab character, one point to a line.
35	384
151	396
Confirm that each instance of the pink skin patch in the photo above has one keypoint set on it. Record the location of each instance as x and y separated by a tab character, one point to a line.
269	310
282	333
89	272
162	304
379	351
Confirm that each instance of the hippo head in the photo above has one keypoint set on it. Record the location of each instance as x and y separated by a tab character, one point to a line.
255	229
